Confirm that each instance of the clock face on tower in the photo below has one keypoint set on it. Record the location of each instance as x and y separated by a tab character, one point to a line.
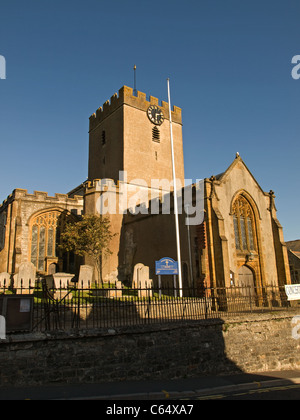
155	115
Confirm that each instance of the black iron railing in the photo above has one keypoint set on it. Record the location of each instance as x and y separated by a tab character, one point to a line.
75	307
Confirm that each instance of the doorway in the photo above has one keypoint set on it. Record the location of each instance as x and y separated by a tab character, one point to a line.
246	281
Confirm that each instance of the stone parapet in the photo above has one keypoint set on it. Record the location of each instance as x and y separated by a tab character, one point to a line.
18	194
255	343
140	101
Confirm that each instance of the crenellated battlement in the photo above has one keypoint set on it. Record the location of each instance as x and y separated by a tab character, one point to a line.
101	185
19	194
140	101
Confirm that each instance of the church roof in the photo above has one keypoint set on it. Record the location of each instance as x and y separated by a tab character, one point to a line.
79	190
294	257
219	175
294	246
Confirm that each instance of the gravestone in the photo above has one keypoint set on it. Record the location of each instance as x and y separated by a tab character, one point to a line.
24	280
137	275
58	285
61	280
85	276
141	280
116	292
4	281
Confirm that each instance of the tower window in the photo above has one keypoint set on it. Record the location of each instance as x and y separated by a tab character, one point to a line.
156	135
103	138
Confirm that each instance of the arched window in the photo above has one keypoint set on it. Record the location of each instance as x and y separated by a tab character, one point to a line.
45	237
244	225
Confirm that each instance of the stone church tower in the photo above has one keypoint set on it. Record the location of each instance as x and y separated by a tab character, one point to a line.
129	146
132	133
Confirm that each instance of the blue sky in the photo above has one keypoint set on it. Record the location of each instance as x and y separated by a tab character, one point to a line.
229	64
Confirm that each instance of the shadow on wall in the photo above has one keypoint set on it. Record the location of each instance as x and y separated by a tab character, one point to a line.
142	339
142	352
151	350
199	349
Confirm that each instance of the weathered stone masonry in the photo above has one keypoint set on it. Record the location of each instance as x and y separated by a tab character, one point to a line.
256	344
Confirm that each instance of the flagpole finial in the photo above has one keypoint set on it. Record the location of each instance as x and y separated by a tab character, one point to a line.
134	82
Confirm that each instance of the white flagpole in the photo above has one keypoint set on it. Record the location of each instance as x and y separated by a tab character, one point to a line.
175	196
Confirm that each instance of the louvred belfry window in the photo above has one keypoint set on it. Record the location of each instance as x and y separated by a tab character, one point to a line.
244	225
156	135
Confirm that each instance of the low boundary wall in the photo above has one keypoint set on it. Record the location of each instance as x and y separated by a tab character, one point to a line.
256	343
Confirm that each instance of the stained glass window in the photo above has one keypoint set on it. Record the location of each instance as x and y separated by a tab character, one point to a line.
34	244
244	225
41	258
236	233
243	233
50	242
45	237
250	230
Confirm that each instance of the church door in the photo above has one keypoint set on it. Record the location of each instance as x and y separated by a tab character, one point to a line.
246	281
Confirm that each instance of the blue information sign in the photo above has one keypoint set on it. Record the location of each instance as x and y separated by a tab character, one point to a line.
166	266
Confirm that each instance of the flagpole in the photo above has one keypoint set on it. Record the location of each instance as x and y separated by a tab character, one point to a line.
134	82
175	195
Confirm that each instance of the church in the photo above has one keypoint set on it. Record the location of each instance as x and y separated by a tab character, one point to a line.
232	237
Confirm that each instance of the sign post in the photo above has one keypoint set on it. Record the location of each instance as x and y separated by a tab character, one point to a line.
292	291
159	285
166	267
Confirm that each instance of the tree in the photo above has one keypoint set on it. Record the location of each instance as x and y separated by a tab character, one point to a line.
89	236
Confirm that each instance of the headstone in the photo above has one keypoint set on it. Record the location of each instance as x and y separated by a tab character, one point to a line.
141	280
137	276
116	292
49	281
62	280
24	280
4	281
57	285
85	276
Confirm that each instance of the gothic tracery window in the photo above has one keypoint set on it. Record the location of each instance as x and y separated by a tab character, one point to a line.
45	237
244	225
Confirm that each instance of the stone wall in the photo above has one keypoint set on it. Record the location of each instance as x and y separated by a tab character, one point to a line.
15	215
256	344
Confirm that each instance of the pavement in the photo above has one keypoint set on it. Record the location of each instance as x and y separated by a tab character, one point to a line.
153	390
